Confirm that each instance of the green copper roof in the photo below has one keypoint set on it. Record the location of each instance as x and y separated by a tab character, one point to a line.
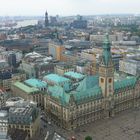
58	92
88	89
36	83
25	88
106	56
56	78
106	42
59	80
88	82
74	75
88	94
128	82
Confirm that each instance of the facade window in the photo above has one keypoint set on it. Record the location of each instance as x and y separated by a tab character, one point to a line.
110	80
102	80
21	126
27	126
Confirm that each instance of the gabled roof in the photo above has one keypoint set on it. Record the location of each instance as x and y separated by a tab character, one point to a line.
58	92
88	94
88	82
88	89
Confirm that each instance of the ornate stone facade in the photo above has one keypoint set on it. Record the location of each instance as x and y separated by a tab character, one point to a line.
95	97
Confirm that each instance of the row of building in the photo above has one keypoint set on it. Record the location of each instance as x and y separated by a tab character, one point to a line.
74	99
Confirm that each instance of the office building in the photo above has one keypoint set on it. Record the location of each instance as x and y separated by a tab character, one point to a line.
36	65
21	89
91	68
63	67
7	77
14	101
99	38
53	20
4	125
12	60
56	49
79	23
3	98
25	117
130	66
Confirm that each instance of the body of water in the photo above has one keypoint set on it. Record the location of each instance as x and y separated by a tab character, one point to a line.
22	23
25	23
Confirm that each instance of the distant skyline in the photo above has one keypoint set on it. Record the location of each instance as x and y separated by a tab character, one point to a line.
68	7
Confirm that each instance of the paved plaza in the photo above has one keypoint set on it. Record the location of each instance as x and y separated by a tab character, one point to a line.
125	126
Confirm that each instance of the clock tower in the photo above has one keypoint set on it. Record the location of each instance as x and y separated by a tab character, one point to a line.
106	69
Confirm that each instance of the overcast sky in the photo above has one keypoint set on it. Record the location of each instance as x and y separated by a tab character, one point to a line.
68	7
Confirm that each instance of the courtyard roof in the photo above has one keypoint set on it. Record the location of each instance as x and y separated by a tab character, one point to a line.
36	83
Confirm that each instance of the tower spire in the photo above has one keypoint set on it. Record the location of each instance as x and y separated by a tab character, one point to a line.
46	19
106	41
106	56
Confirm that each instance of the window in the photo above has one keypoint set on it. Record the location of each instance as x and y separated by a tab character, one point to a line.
27	126
21	126
102	80
110	80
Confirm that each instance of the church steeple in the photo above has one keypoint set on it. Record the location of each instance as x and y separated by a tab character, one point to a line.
46	19
106	69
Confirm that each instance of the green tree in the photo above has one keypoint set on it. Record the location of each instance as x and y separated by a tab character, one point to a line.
88	138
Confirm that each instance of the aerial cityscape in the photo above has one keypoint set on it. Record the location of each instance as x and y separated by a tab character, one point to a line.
70	70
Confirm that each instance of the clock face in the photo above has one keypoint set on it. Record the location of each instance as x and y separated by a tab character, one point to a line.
101	70
110	70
